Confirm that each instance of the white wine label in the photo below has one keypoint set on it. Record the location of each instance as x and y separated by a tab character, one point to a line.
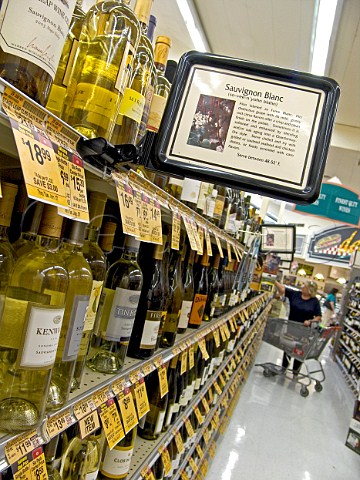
190	191
156	112
170	411
122	315
93	305
40	31
159	422
116	462
42	337
76	327
132	105
151	329
91	475
185	313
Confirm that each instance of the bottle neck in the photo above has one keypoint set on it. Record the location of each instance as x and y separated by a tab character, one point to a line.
48	243
70	247
92	235
4	232
131	255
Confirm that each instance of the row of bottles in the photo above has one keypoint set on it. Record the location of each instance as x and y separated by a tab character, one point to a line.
65	304
104	78
75	454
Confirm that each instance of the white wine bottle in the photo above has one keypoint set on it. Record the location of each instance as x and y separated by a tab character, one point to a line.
117	310
188	294
61	80
97	263
31	41
102	68
50	459
133	102
116	462
77	301
30	327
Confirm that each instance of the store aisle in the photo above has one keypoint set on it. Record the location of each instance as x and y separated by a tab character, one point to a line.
275	433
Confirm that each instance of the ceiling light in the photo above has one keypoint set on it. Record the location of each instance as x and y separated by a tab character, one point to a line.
341	280
193	25
301	272
324	27
319	276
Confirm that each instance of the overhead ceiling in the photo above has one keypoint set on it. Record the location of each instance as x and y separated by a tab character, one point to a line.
279	32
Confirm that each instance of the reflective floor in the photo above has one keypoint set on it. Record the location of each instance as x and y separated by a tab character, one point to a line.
276	434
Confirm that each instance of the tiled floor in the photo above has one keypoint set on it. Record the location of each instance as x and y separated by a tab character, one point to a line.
276	434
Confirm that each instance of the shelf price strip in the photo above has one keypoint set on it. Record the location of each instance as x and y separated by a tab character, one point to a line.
58	423
21	446
31	467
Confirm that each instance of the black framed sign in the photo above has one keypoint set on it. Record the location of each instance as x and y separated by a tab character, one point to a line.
277	238
259	128
285	265
286	257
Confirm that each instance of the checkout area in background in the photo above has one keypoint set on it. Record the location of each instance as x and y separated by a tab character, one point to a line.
269	268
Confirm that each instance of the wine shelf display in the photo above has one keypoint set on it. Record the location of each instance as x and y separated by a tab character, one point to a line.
97	388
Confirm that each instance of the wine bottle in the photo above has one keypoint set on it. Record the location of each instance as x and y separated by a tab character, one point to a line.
102	68
190	192
151	307
77	302
210	205
201	294
204	193
174	187
133	102
158	469
97	263
155	417
200	365
61	80
219	204
188	294
176	294
30	227
30	53
117	309
81	457
106	240
116	462
180	388
173	393
214	285
50	459
220	304
30	327
7	253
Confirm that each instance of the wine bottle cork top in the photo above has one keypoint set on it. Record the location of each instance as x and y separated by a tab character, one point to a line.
9	191
216	261
132	242
142	10
51	222
205	259
106	240
97	202
161	52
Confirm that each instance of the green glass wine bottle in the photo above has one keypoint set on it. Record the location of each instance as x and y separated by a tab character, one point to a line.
30	327
118	304
77	302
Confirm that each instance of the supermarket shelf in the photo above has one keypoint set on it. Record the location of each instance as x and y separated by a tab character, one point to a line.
355	334
143	446
348	350
353	309
94	382
349	380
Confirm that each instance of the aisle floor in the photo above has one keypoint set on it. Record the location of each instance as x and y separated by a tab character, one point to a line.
275	433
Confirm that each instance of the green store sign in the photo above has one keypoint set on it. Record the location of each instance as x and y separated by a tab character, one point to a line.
335	202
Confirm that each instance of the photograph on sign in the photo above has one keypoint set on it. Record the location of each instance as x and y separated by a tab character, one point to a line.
277	238
248	125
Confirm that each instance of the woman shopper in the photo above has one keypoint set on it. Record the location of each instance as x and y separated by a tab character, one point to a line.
304	308
329	307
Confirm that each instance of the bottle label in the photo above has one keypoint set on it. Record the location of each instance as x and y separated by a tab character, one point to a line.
125	70
197	383
93	305
91	475
76	327
116	462
203	193
122	315
159	422
169	414
190	191
144	119
198	308
103	104
156	112
40	33
42	337
185	313
132	105
219	206
171	323
151	329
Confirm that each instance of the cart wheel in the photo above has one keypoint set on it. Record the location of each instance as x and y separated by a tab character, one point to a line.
304	392
318	387
267	373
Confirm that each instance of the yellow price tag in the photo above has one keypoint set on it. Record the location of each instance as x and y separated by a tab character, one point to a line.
212	450
183	362
147	473
204	467
31	467
199	451
164	387
179	442
216	335
118	386
111	423
206	436
81	409
206	405
200	233
58	423
218	243
184	475
175	231
39	166
228	246
165	456
217	388
89	424
232	327
190	233
198	415
101	397
155	222
148	368
222	380
145	227
21	445
189	428
191	357
208	243
141	398
223	334
204	352
127	409
193	465
127	206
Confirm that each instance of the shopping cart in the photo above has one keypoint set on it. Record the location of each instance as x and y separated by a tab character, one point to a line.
299	342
